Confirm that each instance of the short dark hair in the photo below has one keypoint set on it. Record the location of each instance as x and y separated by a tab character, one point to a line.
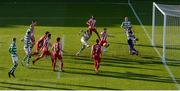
47	33
58	39
97	41
34	21
14	39
105	28
29	32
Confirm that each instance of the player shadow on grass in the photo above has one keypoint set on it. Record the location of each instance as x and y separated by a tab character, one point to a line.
2	68
67	84
41	68
29	86
118	62
170	62
13	88
125	75
144	45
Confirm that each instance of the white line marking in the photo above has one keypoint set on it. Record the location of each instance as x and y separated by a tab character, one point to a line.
147	34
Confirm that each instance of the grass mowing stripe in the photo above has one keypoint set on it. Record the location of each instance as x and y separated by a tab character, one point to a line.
164	63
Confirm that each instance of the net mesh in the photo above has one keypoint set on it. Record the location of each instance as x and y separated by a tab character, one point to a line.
172	31
170	10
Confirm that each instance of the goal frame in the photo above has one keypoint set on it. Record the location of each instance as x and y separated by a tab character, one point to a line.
155	6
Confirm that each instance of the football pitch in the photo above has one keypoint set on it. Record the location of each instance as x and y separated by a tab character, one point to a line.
118	71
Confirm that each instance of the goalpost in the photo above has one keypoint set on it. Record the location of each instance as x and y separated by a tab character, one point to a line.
166	30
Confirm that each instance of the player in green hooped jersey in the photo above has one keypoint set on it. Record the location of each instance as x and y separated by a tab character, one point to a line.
27	48
13	52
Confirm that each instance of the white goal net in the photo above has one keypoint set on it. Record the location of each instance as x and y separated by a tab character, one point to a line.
166	31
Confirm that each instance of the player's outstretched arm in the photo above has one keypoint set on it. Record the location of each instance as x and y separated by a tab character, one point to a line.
87	23
122	25
80	32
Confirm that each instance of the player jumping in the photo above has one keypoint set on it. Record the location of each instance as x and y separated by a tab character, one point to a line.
85	37
96	53
45	50
39	44
27	48
92	25
13	52
57	53
32	30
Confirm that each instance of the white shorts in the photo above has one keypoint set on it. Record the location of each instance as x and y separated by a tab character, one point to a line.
14	59
27	50
84	42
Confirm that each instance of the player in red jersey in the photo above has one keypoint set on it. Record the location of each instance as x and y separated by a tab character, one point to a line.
92	25
96	53
57	53
32	28
45	49
39	44
103	40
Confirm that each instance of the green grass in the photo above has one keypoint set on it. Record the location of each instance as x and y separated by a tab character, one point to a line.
119	70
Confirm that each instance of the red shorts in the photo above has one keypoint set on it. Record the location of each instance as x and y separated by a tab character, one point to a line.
97	58
46	53
55	56
103	42
33	40
38	47
93	30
